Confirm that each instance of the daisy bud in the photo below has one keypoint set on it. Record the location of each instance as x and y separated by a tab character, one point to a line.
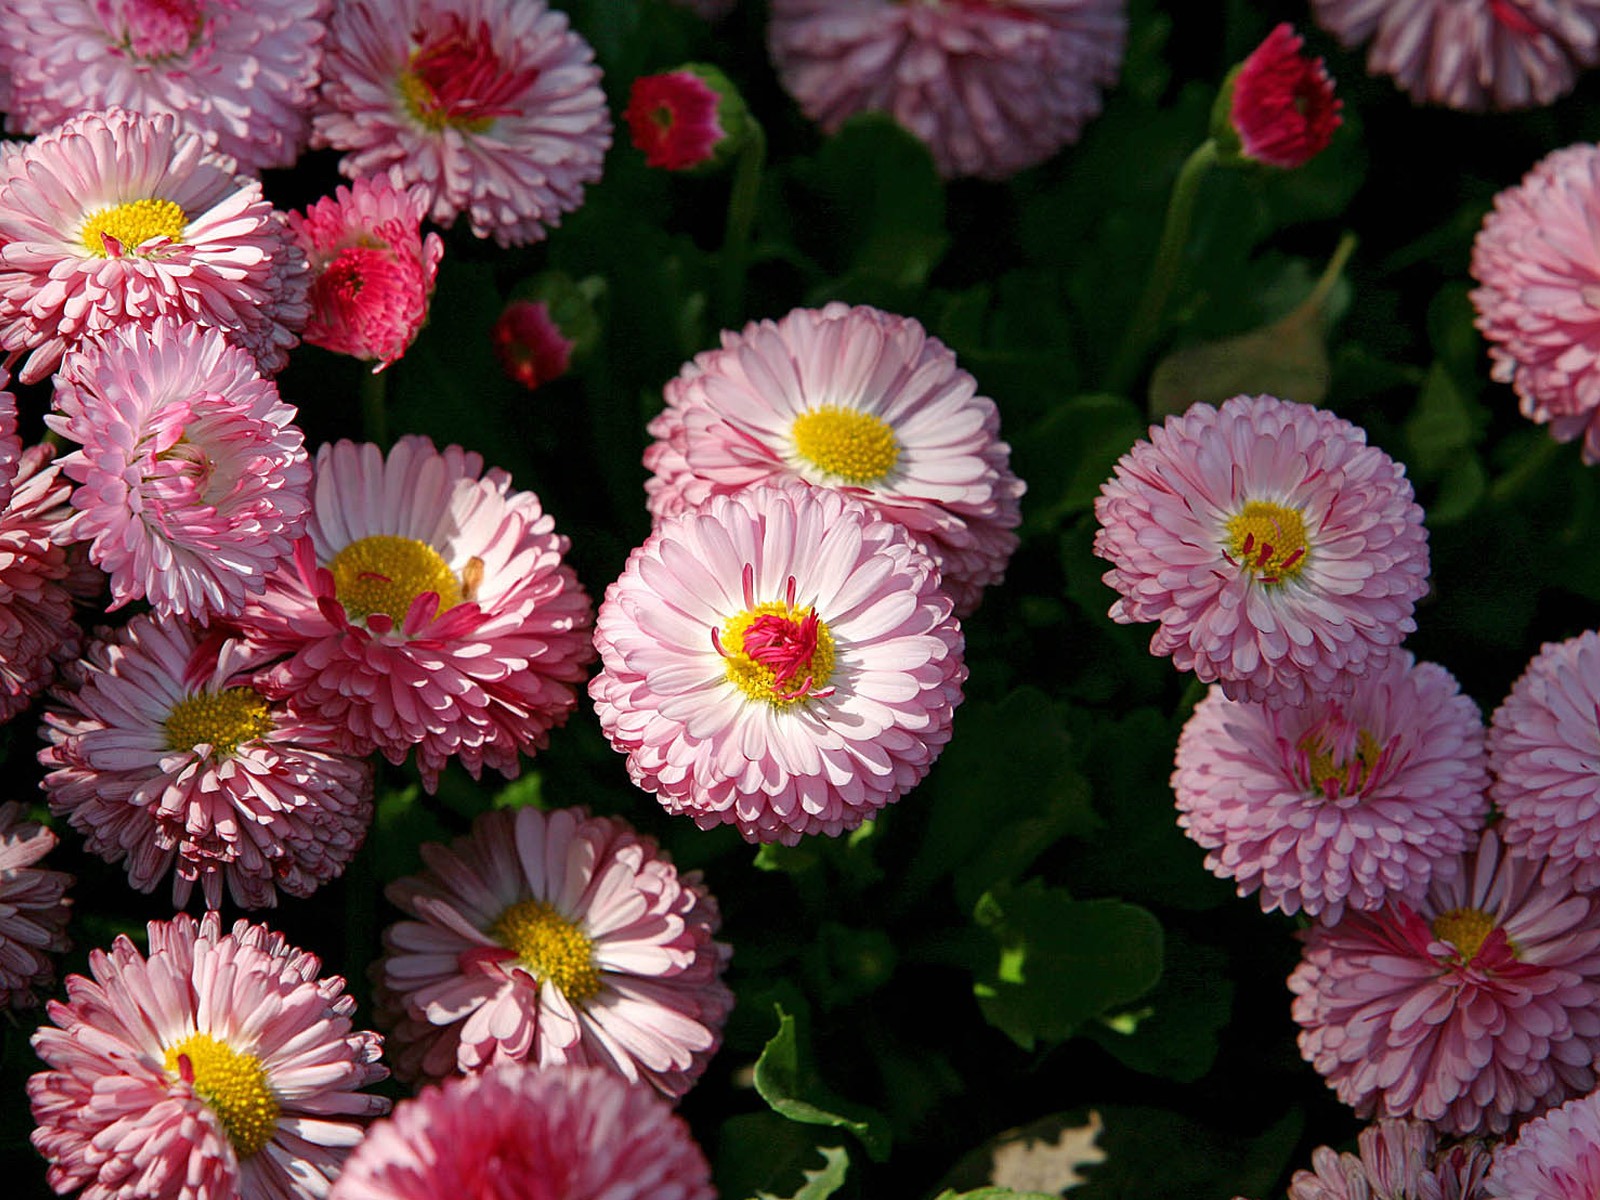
1277	107
529	343
688	118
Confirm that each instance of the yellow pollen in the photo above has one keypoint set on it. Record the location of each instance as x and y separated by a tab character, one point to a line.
423	107
133	224
550	946
760	681
1464	928
1268	540
234	1085
1324	767
384	574
223	720
856	447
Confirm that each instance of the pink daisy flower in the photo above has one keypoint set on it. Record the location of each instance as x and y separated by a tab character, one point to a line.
672	118
990	87
10	441
781	660
559	938
1395	1159
1498	54
1555	1156
162	752
116	218
1477	1006
1538	271
428	606
1350	800
576	1133
372	270
1281	554
1281	105
218	1066
492	108
243	76
33	909
854	399
192	477
529	344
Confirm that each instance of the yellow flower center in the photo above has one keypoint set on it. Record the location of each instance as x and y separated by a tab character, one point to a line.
384	574
222	720
856	447
550	946
1333	776
1268	540
132	224
777	653
1464	928
234	1085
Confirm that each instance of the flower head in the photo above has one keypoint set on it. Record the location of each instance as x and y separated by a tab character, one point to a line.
781	660
33	909
240	75
491	108
1278	105
1475	1007
512	1131
1281	554
531	347
690	117
1556	1156
428	606
1349	800
1395	1160
372	271
852	399
559	938
218	1065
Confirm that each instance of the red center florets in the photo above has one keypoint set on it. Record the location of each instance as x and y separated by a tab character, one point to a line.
673	119
1283	106
1510	14
459	79
781	644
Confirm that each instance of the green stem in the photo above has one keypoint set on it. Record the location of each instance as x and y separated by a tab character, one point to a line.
1331	273
1145	327
742	203
1510	485
374	414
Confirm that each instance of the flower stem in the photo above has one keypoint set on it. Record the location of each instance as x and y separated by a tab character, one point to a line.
374	414
1143	330
741	217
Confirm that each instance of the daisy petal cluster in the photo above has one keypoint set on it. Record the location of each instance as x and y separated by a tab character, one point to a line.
1401	1160
372	271
1281	555
853	399
780	659
1475	1007
1280	103
991	88
686	118
512	1130
1556	1156
219	1064
428	606
492	108
241	75
192	478
1348	800
554	939
164	754
33	909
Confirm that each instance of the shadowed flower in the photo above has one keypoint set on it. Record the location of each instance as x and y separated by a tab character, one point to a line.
529	344
1396	1160
33	909
1280	103
678	118
1555	1156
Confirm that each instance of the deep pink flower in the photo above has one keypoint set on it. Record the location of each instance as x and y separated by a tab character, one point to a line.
512	1131
1555	1156
115	218
559	938
428	606
1281	554
33	909
1538	271
1395	1160
990	87
372	271
853	399
1349	800
163	753
492	108
1281	104
780	659
240	75
220	1067
672	118
1476	1007
529	344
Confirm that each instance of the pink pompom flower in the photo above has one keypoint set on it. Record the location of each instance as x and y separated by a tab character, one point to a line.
853	399
428	606
781	660
242	76
1495	54
1398	1159
372	271
513	1131
192	477
1537	273
115	218
1556	1156
991	88
559	938
1349	800
219	1065
491	108
162	752
686	118
1278	106
1281	554
531	347
33	909
1476	1007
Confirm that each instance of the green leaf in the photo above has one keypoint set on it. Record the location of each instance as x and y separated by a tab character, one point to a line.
1176	1035
786	1081
1060	962
400	825
761	1153
526	791
1445	425
823	1182
995	1194
1144	1159
1068	455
